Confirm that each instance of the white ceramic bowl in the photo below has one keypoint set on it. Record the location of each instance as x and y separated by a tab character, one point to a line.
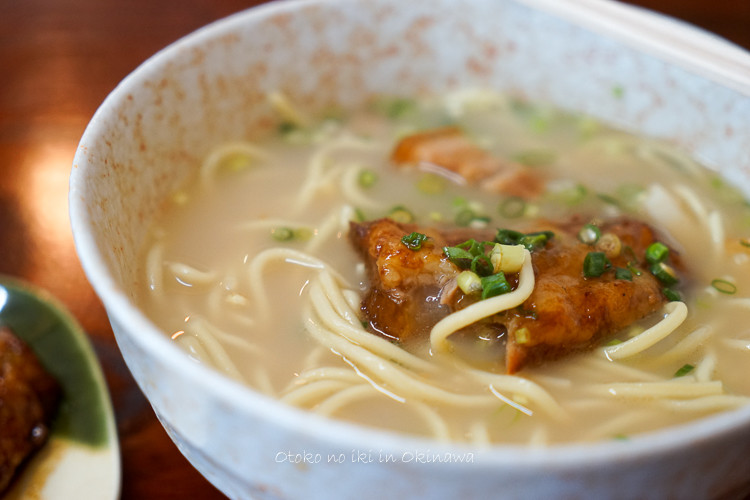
682	85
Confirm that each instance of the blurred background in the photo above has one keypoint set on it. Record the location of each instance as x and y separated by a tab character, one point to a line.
58	61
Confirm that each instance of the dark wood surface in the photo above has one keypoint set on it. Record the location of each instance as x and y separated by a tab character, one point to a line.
58	61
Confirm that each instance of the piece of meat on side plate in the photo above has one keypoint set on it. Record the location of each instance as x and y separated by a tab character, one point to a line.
29	398
410	290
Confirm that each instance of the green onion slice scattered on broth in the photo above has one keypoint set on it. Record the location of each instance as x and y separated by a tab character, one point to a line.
431	184
289	234
724	286
512	207
535	157
401	214
367	178
282	234
684	370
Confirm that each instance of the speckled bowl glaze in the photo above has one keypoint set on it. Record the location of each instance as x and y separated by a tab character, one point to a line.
680	84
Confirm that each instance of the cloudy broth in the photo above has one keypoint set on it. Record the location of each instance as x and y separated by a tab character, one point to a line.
234	262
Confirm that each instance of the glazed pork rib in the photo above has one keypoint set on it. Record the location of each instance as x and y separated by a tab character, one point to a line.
411	290
29	398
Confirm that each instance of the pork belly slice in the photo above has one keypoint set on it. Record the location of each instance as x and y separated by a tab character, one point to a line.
29	397
450	149
411	290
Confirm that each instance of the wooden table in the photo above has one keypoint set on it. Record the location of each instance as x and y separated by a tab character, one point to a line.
58	61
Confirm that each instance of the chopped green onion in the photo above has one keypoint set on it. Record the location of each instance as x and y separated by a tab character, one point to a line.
401	214
594	264
464	217
613	342
512	207
684	370
672	295
507	258
539	123
618	91
574	195
724	286
633	269
630	194
656	252
431	184
522	335
482	265
303	234
286	127
493	285
535	157
396	107
609	199
467	217
589	234
469	282
623	274
664	273
471	254
282	234
532	241
628	252
727	191
367	178
535	241
359	215
289	234
479	221
620	437
414	240
459	202
745	242
587	127
458	256
508	237
236	162
610	244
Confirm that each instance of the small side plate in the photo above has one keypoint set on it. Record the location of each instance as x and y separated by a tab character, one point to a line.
82	457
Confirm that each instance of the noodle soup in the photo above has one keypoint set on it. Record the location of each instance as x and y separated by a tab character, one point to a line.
250	269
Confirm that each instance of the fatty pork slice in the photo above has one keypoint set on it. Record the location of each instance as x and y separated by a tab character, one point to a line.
449	149
411	290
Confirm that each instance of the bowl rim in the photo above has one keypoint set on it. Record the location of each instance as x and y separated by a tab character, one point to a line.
334	432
